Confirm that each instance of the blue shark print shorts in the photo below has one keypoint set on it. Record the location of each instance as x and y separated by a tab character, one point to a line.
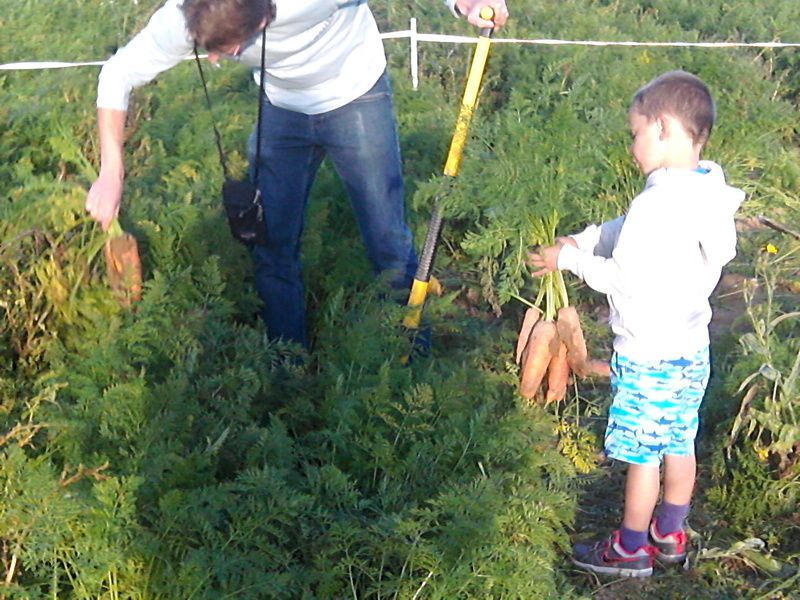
655	406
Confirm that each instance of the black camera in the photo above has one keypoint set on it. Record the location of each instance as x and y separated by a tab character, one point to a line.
242	202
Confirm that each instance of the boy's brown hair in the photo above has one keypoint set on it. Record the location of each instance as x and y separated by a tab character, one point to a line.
683	96
215	24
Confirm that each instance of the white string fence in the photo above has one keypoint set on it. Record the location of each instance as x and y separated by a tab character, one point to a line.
414	37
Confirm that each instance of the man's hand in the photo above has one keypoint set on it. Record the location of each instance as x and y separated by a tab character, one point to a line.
546	259
472	8
104	199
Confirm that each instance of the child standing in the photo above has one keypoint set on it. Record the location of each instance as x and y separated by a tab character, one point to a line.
658	265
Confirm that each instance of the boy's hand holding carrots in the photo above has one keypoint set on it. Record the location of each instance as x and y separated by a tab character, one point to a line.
546	259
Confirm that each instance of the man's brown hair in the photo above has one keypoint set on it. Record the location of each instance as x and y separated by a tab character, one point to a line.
683	96
215	24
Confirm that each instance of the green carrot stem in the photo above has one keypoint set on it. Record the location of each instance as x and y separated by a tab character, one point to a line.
551	297
524	301
115	229
562	289
540	295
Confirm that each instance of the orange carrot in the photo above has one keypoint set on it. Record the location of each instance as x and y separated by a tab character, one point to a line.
598	368
570	332
557	375
537	355
124	268
531	316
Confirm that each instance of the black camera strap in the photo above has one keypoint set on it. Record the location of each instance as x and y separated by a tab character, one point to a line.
217	136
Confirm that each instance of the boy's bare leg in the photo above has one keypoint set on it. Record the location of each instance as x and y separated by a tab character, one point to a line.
668	532
641	495
679	476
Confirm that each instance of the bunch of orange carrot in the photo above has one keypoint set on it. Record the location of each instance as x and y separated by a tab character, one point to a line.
551	343
553	348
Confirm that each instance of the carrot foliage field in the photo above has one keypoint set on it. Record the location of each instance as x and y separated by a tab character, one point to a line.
169	451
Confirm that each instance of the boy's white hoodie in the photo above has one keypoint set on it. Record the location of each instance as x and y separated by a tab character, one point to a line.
659	263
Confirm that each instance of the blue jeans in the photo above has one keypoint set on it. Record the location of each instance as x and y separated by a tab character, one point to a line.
361	140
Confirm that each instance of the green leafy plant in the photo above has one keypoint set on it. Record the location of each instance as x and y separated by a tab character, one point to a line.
769	414
173	452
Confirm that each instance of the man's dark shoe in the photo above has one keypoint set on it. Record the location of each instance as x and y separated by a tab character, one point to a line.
672	547
610	558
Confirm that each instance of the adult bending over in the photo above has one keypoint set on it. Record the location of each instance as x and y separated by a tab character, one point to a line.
326	93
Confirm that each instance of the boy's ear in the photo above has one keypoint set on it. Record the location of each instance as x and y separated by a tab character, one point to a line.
662	125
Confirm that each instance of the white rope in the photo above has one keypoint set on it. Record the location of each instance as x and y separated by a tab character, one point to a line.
550	42
460	39
35	66
38	66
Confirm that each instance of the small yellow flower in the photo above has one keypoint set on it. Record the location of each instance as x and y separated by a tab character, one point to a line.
771	249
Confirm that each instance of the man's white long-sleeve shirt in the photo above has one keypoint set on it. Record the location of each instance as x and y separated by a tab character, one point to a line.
320	55
660	262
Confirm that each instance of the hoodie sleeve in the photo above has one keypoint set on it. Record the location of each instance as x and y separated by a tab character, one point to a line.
625	259
600	273
599	239
163	43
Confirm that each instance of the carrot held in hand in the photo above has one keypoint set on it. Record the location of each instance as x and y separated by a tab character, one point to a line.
123	265
536	357
557	375
531	316
570	332
598	368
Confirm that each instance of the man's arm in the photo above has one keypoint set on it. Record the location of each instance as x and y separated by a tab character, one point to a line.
163	43
105	195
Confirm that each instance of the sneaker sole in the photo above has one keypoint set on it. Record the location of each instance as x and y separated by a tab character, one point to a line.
671	559
615	570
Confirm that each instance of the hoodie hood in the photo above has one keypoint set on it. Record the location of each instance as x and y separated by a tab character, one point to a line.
718	239
708	205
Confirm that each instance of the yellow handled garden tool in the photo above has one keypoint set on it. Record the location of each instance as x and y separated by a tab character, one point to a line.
423	280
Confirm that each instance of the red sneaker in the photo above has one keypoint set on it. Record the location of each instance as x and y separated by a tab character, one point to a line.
610	558
672	547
